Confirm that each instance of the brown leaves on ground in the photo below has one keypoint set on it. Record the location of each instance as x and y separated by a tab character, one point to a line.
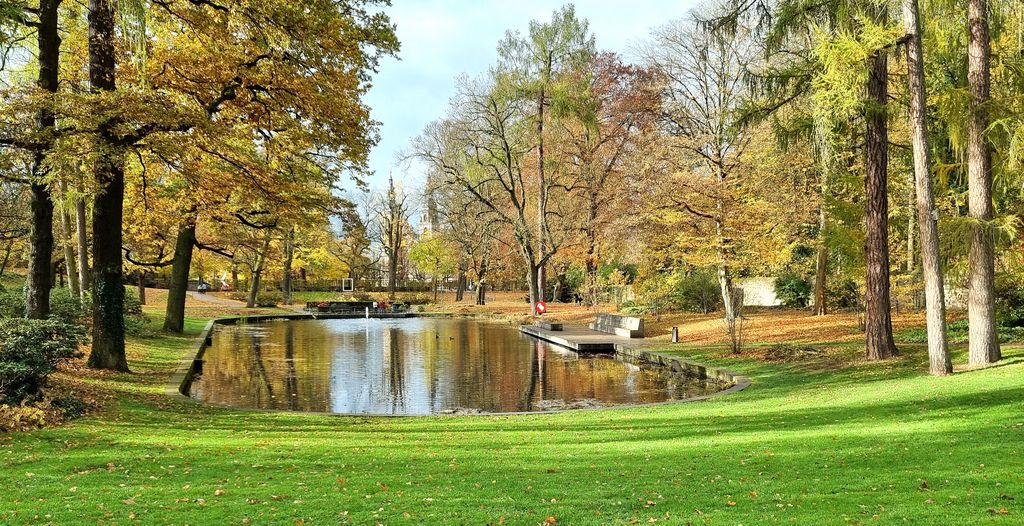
763	325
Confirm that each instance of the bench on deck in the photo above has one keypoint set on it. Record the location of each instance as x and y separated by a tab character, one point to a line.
549	326
625	326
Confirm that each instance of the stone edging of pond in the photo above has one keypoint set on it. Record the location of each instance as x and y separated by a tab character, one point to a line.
736	382
181	381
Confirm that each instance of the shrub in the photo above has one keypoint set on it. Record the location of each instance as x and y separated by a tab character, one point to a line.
957	334
12	303
842	294
1010	300
29	351
135	321
69	308
792	290
576	279
632	308
64	306
698	291
628	271
70	406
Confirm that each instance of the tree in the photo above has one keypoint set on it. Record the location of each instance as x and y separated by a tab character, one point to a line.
626	106
543	67
13	218
246	101
983	341
927	214
702	92
44	21
863	29
468	224
433	257
390	216
351	246
480	148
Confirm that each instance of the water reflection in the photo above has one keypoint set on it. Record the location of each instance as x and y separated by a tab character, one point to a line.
416	366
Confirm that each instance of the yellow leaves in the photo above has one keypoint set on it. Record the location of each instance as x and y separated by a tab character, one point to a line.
21	417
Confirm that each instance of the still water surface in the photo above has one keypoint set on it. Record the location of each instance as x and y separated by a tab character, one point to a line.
416	366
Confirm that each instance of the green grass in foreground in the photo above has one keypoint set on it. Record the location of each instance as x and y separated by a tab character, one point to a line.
868	444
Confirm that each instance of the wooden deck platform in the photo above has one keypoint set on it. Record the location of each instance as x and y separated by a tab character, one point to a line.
579	339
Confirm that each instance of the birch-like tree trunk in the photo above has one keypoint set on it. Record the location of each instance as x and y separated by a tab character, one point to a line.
983	342
289	257
927	215
542	196
82	234
821	259
67	240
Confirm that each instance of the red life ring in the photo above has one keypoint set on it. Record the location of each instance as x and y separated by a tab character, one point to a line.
541	307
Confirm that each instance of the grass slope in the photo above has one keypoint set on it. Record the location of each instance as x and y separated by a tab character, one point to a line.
807	444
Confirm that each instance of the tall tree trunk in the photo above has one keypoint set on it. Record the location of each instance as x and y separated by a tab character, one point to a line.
927	215
821	261
481	282
542	198
6	258
142	287
177	290
392	275
532	272
40	280
983	342
460	281
877	315
108	204
257	271
289	256
911	217
40	262
724	279
67	240
725	286
234	275
81	231
591	259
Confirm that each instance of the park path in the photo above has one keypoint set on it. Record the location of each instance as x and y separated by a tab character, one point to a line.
216	300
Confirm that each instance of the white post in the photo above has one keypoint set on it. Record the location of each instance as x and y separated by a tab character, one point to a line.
367	312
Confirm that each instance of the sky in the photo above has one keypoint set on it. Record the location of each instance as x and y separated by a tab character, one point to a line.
442	39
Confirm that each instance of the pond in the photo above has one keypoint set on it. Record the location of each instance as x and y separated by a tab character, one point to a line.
417	366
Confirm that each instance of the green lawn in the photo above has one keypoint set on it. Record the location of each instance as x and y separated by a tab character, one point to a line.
866	444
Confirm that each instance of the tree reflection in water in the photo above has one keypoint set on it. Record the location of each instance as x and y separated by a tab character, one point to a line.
416	366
